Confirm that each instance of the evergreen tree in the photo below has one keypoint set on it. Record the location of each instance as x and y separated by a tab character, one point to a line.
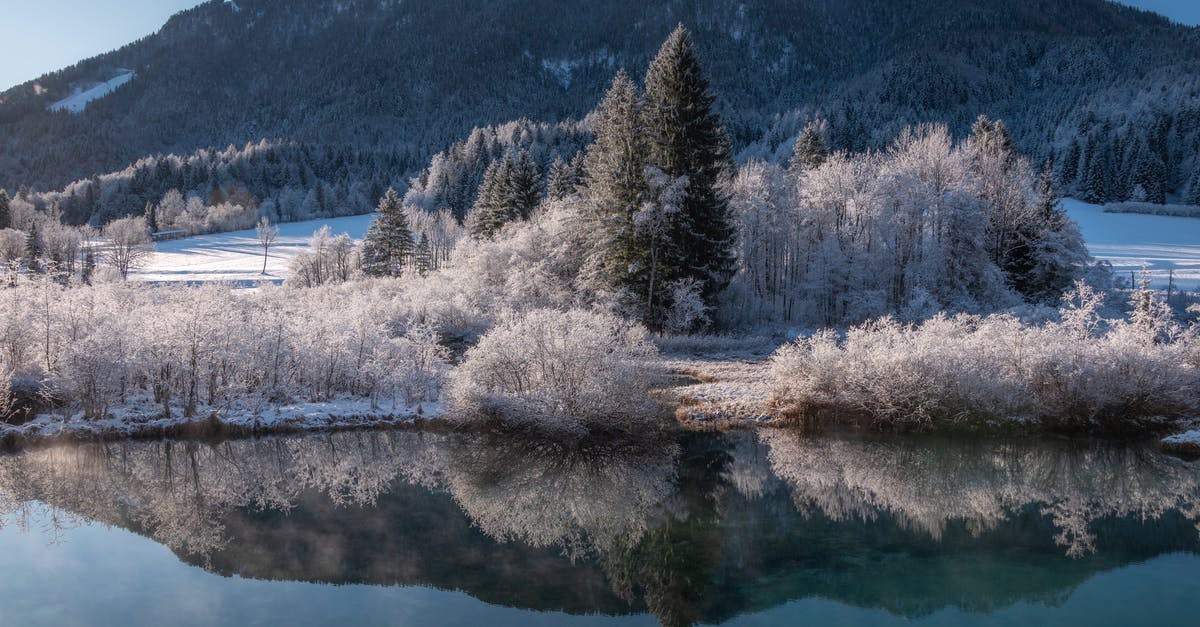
1149	177
1098	176
809	151
1193	192
525	185
1048	247
388	244
424	256
5	211
495	205
686	139
561	180
151	218
616	185
1070	164
33	249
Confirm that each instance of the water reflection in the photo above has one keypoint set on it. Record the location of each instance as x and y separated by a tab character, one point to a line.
698	529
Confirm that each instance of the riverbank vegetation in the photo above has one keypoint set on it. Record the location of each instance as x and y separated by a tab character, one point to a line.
949	254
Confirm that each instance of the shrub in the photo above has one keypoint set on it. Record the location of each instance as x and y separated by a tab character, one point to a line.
1063	374
567	371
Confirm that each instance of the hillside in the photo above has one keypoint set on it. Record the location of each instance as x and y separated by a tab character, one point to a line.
367	90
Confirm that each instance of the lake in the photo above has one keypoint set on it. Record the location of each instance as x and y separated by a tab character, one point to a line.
747	528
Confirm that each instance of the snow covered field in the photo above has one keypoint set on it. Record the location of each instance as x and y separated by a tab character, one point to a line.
237	256
1127	240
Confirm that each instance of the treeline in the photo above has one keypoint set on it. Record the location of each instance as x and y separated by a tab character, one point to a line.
284	181
358	73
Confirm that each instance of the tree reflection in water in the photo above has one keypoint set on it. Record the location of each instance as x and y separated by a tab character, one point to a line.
696	528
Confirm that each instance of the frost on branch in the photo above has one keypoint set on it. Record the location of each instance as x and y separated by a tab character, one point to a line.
567	371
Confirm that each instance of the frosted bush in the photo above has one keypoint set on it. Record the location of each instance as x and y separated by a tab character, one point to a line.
561	371
1065	374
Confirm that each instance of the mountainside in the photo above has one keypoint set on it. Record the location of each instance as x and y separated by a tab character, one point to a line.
369	89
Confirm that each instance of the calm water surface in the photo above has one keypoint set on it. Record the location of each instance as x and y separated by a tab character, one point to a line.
406	528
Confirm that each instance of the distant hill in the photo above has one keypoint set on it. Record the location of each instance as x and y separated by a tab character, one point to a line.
366	90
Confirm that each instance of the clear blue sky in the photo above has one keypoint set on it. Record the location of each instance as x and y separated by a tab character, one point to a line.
39	36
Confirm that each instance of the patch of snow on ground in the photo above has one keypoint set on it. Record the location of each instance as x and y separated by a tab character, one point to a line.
237	256
78	101
1127	240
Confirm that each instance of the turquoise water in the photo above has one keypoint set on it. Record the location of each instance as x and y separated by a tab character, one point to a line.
408	528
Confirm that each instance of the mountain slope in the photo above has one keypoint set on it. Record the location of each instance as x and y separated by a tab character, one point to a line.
408	77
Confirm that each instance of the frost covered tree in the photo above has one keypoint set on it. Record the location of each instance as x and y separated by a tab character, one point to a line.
5	211
616	183
809	150
685	139
127	244
562	180
267	235
387	247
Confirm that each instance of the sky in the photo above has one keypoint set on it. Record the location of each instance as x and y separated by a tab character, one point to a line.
40	36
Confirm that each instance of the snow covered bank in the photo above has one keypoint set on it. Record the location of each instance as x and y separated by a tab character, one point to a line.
1128	240
1081	374
1186	443
144	422
238	256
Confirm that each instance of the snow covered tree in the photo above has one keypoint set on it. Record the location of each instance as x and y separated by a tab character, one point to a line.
562	181
33	249
267	234
388	245
1193	189
423	258
809	150
525	185
686	139
5	211
1149	178
495	205
616	183
151	217
128	244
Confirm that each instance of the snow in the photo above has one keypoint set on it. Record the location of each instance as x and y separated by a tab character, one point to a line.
146	420
1188	437
237	256
1127	240
78	101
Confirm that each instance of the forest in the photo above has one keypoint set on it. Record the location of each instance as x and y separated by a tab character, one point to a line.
501	287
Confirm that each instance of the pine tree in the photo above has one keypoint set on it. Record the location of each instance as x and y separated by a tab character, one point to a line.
616	184
561	180
388	244
1193	193
424	256
686	139
809	151
496	204
1070	164
5	211
1098	175
525	184
33	249
1149	176
151	218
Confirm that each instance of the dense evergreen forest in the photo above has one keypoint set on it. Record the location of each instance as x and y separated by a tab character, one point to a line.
315	107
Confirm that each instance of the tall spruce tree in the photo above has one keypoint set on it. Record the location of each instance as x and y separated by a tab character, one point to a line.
5	211
809	151
424	256
388	244
686	139
561	183
616	185
525	185
151	217
33	249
